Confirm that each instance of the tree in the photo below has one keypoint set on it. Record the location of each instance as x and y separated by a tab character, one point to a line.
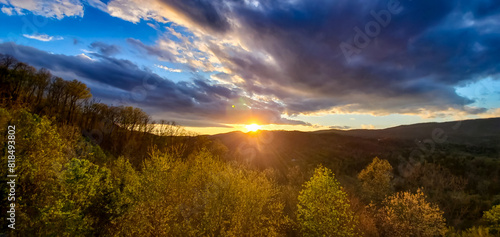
202	196
324	208
83	202
493	218
443	188
376	180
40	157
76	91
42	81
409	214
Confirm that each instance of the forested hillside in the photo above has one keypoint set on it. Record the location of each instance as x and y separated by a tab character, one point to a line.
85	168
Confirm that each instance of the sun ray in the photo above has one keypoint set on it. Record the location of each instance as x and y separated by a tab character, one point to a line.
252	127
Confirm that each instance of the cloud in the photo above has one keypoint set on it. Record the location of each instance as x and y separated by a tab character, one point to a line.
163	55
121	82
290	50
367	126
134	10
286	56
97	4
43	37
48	8
167	68
8	10
105	49
82	55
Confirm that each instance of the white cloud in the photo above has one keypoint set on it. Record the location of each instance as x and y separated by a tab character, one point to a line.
87	51
85	57
97	4
134	11
8	10
168	69
49	8
43	37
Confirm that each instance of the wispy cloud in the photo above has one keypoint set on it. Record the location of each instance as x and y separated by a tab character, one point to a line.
43	37
168	69
105	49
49	8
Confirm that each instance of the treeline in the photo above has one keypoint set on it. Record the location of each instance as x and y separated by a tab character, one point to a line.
120	130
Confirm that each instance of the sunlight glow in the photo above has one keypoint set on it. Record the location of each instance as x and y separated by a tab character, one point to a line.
252	127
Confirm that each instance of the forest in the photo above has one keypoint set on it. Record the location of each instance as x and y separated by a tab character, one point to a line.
85	168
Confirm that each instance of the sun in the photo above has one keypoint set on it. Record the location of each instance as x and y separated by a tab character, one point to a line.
252	127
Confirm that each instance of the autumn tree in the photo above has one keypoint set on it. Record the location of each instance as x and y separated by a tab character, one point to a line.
323	208
409	214
376	180
40	157
201	196
443	188
76	91
492	217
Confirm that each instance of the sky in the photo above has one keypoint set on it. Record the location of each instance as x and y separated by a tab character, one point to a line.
214	66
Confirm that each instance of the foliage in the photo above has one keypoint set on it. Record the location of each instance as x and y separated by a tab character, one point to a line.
376	180
492	216
323	208
202	197
82	205
409	214
476	231
40	156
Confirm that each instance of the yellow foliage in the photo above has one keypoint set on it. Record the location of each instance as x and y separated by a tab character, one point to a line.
409	214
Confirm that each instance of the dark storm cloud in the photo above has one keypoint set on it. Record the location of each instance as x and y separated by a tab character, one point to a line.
425	50
118	82
105	49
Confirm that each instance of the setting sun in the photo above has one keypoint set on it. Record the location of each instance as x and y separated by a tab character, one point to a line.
252	127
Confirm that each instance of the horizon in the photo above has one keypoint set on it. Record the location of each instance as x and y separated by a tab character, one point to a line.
219	66
264	128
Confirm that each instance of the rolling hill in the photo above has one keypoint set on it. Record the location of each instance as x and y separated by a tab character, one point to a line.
351	150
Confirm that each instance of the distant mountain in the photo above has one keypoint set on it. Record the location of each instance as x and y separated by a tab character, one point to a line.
466	131
355	148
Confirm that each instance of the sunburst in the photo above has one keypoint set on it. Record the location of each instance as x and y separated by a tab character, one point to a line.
252	127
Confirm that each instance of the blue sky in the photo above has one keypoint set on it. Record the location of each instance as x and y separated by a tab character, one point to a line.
215	66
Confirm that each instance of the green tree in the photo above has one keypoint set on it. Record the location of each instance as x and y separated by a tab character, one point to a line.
376	180
408	214
324	208
82	205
